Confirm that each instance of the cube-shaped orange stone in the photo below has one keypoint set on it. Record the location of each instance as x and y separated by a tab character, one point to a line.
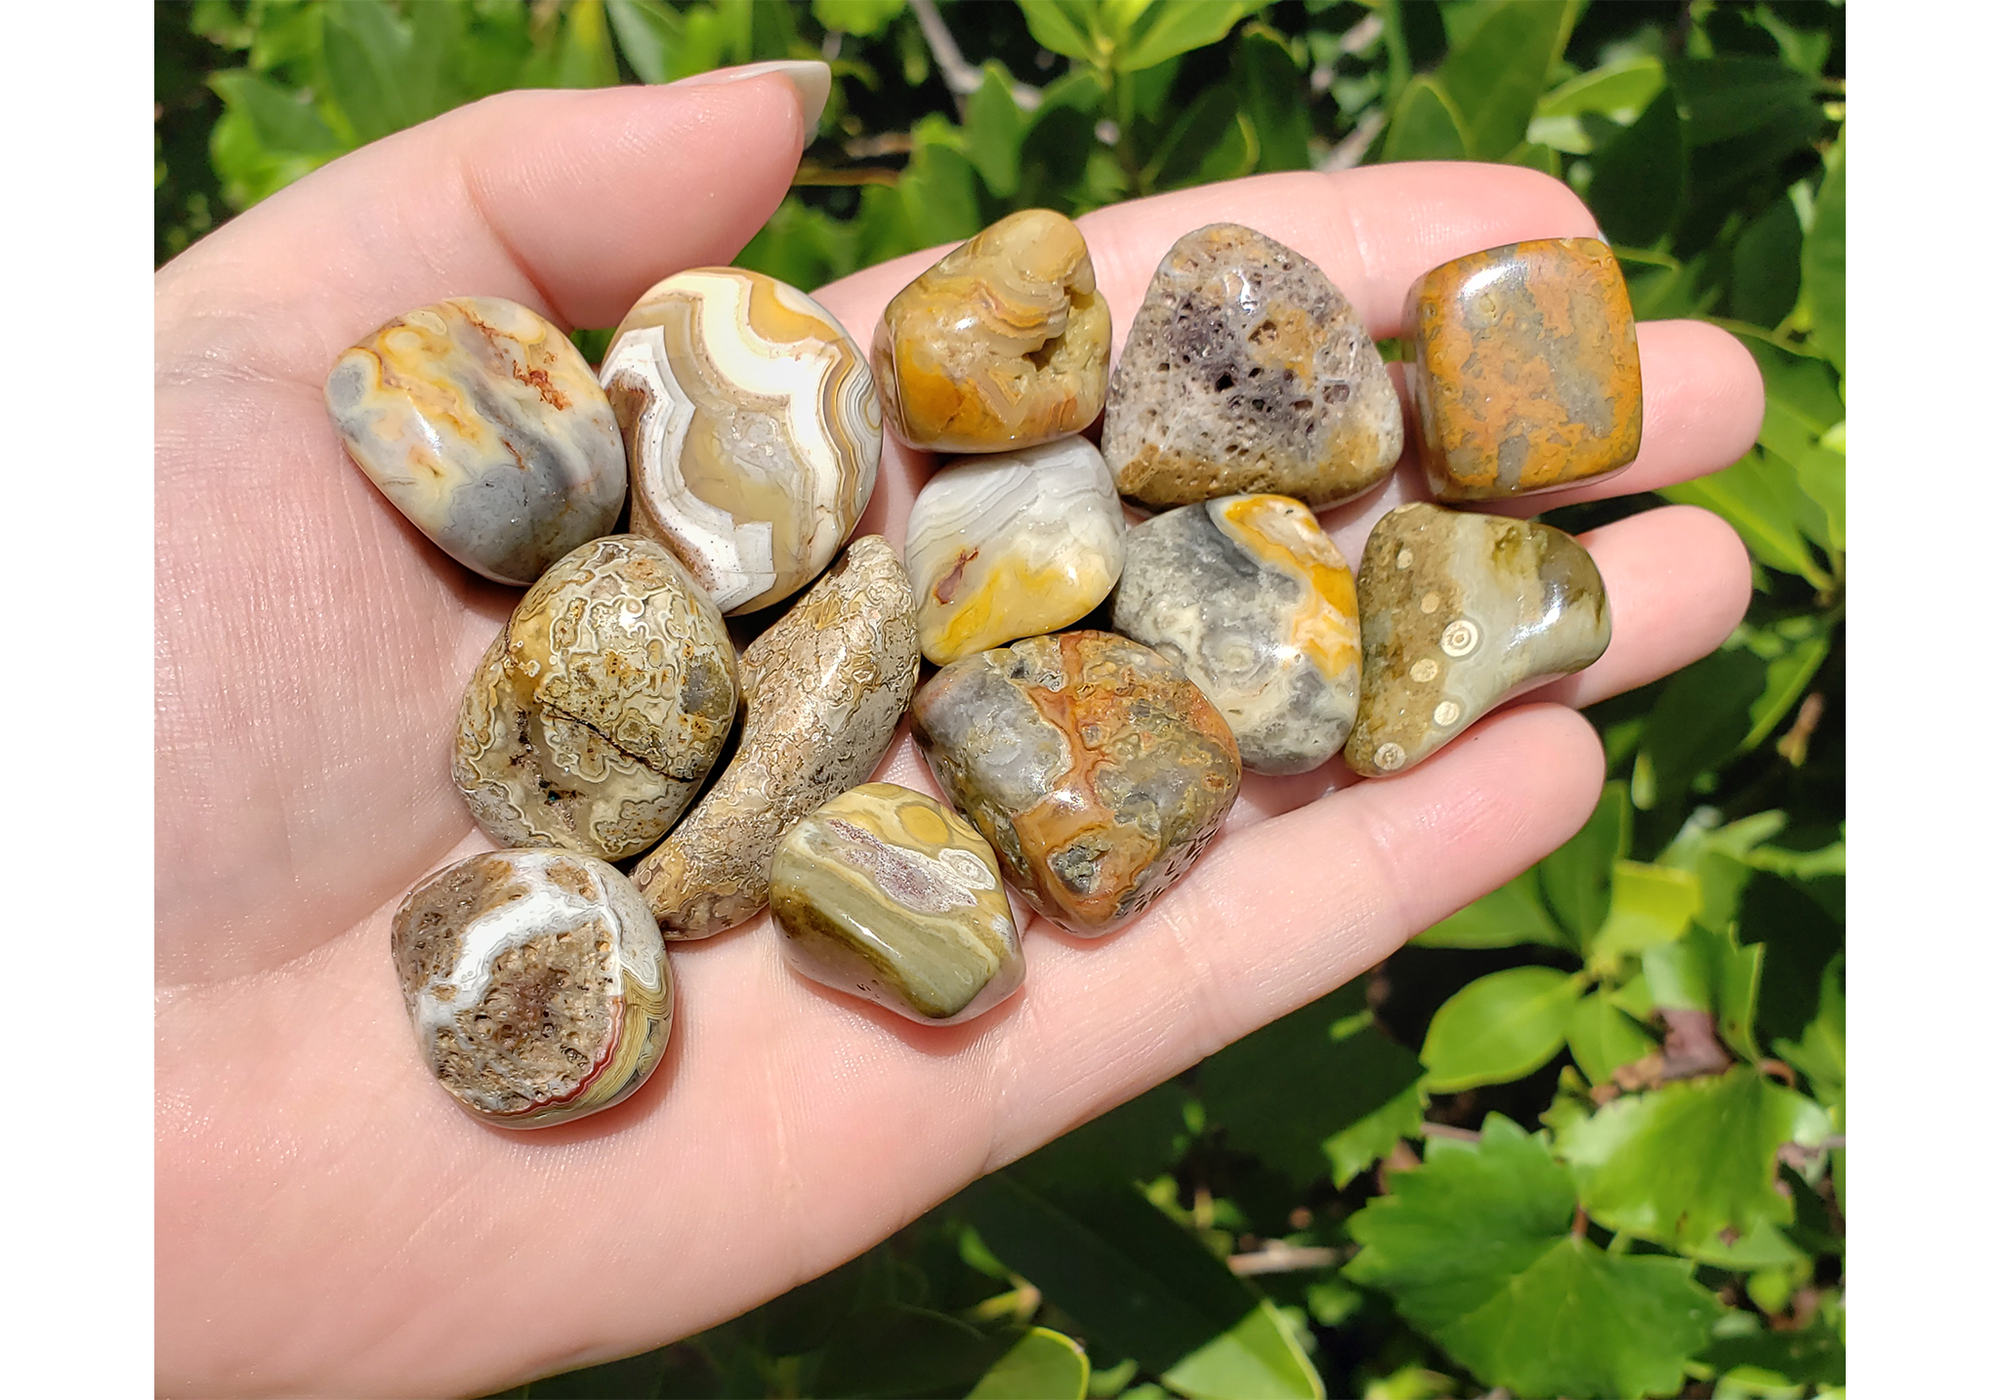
1525	369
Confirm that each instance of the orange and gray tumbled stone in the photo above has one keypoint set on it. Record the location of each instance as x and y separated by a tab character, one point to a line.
597	712
482	424
1457	610
1246	370
1096	769
1004	343
537	984
1257	605
1524	364
823	690
888	895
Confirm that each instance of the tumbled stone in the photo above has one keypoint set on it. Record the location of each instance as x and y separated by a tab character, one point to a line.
753	429
598	710
1254	602
1003	343
1457	611
1011	546
536	982
1095	768
823	689
1246	370
887	894
481	423
1524	364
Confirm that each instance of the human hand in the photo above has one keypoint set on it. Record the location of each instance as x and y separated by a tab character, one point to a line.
327	1220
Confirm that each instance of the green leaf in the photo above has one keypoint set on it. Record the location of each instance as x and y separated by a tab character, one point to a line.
1139	1285
1821	1052
285	126
384	73
1650	904
1066	27
650	35
1282	1092
1792	652
1823	259
1476	1249
584	56
1273	100
1043	1365
1733	95
1361	1145
1764	267
1495	77
1718	856
802	246
994	128
1167	28
1682	1164
1511	915
1760	497
1139	1140
1498	1028
1638	180
1210	142
860	18
1617	92
900	1351
1424	126
1601	1038
1535	156
1575	879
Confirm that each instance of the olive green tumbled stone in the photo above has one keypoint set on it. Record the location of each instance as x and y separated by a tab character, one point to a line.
886	894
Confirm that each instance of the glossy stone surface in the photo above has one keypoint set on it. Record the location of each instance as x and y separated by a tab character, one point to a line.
1254	602
1095	768
481	423
1012	545
600	707
537	984
886	894
1524	364
1246	370
823	688
1458	610
752	426
1004	343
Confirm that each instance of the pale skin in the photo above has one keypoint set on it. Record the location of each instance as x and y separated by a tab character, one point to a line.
328	1222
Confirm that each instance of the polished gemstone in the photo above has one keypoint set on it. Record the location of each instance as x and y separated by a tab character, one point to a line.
889	895
481	423
1012	545
1246	370
1524	364
823	688
752	426
1457	611
598	710
1004	343
536	982
1256	604
1096	769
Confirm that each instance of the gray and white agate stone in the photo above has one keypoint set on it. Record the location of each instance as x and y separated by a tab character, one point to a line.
1257	605
484	425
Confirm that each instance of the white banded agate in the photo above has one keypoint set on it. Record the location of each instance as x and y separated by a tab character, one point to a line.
751	427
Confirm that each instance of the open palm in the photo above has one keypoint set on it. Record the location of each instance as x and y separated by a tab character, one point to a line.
327	1220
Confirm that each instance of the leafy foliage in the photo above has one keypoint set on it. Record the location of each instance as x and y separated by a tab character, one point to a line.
1649	1026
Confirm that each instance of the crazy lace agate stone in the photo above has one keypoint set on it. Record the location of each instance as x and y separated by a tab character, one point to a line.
1256	604
823	689
753	429
600	707
886	894
537	984
1096	769
1012	545
482	424
1004	343
1457	611
1525	369
1246	370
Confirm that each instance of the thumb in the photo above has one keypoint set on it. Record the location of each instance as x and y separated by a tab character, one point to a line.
572	202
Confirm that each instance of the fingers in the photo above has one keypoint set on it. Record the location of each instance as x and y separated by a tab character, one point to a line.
570	202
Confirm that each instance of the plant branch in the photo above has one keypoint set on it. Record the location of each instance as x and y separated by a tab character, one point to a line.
961	77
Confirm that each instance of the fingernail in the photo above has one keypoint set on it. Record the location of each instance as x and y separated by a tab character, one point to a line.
811	79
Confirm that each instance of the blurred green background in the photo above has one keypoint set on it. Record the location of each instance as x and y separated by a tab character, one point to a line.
1584	1138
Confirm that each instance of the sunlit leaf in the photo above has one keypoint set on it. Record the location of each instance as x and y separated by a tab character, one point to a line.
1498	1028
